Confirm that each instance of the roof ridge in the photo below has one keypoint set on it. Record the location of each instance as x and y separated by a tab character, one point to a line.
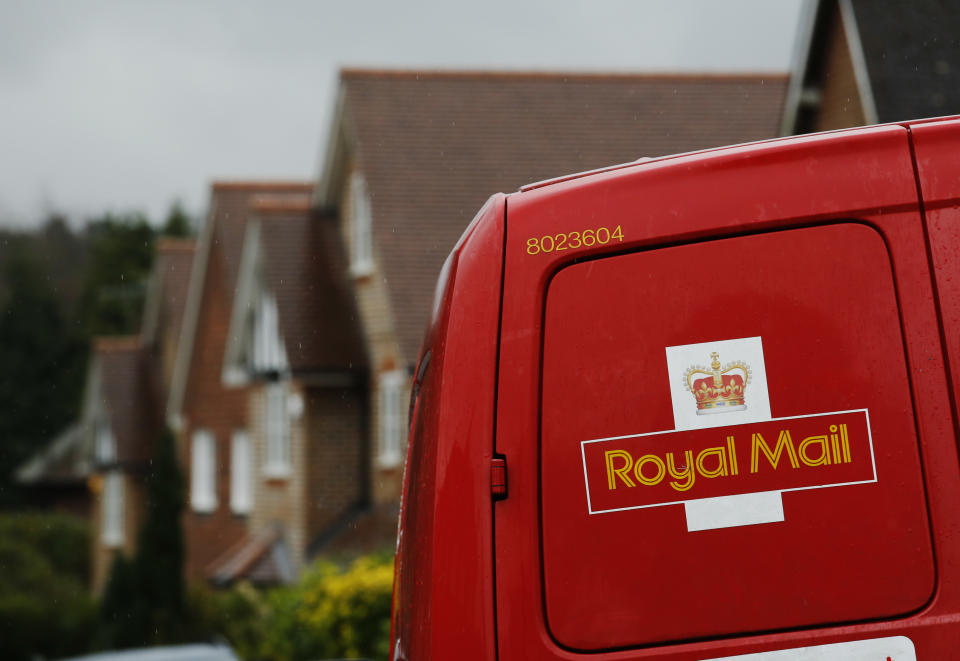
116	343
266	185
175	244
532	75
275	206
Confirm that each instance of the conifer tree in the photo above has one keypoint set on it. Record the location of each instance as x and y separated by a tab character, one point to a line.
158	564
178	222
121	622
43	362
143	603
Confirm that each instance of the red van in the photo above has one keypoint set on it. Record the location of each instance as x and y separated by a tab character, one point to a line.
696	407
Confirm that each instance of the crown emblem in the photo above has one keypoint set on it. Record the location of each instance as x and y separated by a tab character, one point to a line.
722	387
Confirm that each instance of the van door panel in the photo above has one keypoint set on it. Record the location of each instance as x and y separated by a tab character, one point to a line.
816	245
823	301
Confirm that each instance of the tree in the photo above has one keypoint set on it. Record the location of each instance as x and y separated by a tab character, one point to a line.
43	361
158	564
114	290
178	222
122	623
62	253
143	602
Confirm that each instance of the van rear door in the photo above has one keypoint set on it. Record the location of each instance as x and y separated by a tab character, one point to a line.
707	404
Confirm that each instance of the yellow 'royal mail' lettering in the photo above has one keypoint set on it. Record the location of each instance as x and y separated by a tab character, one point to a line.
685	473
683	468
623	472
758	445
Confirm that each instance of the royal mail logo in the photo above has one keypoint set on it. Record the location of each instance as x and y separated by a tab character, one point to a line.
728	469
723	388
783	454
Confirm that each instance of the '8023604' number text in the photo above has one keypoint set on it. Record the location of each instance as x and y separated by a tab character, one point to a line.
571	240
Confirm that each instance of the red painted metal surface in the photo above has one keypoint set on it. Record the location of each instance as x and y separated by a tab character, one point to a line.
443	589
826	310
818	245
937	151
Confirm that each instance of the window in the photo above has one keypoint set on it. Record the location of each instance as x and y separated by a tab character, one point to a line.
203	472
106	446
241	498
267	353
361	239
277	431
393	429
112	512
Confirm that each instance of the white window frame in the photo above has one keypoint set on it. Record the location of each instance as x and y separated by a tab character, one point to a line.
112	509
276	422
241	475
105	444
361	227
393	420
203	471
266	353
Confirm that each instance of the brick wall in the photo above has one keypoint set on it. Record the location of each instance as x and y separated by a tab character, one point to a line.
376	317
840	105
276	499
209	405
327	456
336	460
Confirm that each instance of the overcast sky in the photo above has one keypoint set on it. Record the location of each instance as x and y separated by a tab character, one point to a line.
120	105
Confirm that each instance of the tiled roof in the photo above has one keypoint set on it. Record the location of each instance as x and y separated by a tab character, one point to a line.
129	393
306	271
912	53
232	202
434	146
173	262
66	460
262	558
221	246
362	531
129	390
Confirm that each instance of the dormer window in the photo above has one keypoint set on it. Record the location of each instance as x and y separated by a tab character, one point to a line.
255	347
266	351
361	236
105	444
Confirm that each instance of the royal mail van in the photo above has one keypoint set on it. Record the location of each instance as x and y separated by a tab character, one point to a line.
696	407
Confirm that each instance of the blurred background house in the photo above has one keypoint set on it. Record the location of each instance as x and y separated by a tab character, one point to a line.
859	62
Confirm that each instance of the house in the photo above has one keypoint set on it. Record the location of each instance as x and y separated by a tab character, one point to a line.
108	449
264	387
294	343
411	156
125	413
859	62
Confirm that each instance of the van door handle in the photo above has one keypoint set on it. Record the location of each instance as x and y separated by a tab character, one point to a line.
498	477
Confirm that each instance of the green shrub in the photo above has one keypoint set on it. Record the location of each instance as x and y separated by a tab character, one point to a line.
63	540
332	613
45	608
238	615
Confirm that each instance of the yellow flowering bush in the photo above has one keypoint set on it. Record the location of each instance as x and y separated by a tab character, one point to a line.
333	613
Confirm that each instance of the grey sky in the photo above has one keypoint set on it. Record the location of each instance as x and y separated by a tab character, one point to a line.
119	105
